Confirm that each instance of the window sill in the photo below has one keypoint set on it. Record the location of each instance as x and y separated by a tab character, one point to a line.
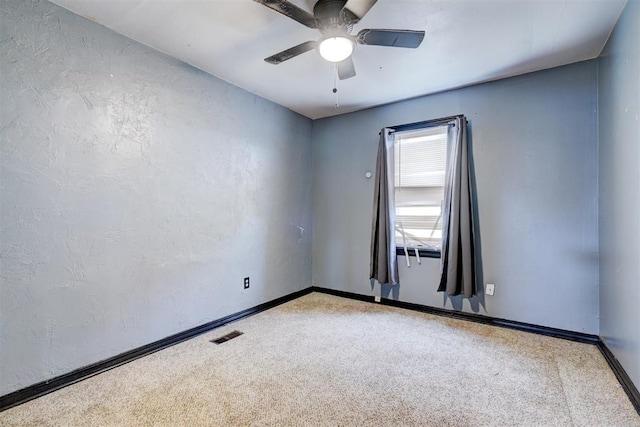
424	253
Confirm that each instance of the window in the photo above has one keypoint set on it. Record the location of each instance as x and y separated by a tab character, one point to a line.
419	174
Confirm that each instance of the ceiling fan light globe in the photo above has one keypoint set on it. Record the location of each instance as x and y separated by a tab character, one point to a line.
336	49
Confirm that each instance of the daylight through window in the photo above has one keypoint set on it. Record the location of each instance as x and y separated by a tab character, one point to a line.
419	172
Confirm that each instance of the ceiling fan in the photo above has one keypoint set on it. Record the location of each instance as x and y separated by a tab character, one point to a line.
335	20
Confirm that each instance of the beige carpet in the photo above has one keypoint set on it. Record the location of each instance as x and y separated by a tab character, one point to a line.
327	361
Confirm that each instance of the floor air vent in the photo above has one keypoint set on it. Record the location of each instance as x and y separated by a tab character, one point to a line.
225	338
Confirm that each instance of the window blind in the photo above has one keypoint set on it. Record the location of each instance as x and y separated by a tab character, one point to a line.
419	173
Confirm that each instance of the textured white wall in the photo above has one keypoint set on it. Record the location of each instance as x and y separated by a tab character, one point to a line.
619	148
534	141
136	193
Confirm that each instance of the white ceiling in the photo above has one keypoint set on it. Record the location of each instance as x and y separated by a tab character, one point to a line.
466	42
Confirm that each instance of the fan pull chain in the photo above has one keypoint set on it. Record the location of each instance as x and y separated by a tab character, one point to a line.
335	84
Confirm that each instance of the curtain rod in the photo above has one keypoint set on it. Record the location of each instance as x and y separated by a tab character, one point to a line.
426	123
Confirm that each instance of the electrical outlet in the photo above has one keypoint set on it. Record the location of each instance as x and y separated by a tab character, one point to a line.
376	298
490	289
246	283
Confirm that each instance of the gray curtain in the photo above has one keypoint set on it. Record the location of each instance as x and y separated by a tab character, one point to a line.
384	263
457	265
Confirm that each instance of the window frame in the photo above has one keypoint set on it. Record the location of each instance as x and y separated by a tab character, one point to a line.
423	252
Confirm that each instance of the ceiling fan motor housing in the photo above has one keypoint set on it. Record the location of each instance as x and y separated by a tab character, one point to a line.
333	16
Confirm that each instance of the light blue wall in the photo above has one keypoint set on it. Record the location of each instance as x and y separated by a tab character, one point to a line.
136	193
619	160
534	143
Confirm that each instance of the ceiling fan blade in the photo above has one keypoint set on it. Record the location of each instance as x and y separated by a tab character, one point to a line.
292	11
358	8
291	52
392	38
346	69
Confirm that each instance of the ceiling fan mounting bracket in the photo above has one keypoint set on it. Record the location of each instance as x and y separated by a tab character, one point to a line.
326	9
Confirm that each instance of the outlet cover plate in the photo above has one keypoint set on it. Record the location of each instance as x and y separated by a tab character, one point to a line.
490	289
